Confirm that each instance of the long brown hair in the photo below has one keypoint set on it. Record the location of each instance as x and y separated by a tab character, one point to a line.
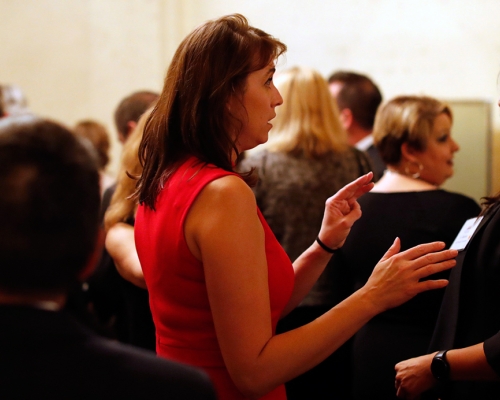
191	115
98	136
489	201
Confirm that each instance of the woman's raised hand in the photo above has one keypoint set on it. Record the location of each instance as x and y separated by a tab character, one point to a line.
342	210
398	276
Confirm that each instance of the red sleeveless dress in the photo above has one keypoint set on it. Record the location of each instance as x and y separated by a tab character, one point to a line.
175	279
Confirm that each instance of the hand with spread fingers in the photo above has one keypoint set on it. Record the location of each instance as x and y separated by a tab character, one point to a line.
398	276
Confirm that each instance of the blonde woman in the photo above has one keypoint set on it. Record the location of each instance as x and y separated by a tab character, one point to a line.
122	207
126	301
464	355
120	215
306	160
414	137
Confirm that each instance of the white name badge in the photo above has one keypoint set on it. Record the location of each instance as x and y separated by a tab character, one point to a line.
466	233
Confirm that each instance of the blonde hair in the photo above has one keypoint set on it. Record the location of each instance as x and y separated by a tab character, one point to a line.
308	121
406	119
122	206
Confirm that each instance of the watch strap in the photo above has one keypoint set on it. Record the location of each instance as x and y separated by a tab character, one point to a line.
440	368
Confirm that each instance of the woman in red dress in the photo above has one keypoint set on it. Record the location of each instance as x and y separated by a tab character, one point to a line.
218	280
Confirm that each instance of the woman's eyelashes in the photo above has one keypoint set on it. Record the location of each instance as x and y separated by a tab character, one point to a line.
443	138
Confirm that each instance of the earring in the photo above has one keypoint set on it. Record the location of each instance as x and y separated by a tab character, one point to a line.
414	175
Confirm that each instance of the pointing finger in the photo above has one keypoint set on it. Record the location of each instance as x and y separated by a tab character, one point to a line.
356	188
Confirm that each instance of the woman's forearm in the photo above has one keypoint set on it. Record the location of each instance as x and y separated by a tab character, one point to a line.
470	364
287	355
290	354
308	268
121	247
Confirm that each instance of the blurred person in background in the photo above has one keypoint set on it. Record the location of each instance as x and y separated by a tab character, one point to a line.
98	136
132	320
126	116
463	360
129	110
100	299
2	109
14	100
49	238
358	99
414	137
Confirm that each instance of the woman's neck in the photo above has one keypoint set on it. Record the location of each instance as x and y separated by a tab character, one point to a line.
394	181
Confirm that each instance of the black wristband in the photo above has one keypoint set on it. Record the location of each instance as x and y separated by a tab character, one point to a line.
325	247
440	368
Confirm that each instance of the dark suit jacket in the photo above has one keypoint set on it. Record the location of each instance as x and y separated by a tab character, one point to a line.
377	162
49	355
470	311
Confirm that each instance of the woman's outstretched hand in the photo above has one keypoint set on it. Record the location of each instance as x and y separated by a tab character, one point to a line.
342	210
398	276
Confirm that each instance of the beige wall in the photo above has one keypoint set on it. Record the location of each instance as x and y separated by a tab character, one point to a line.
77	58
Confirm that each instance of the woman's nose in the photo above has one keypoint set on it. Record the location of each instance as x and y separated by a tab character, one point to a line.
278	100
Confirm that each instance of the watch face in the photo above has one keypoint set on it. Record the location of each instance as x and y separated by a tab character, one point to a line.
440	367
437	368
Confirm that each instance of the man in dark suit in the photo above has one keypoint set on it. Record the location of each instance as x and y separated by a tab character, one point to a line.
49	227
358	98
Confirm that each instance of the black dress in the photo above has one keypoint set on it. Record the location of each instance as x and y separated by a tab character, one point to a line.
405	331
470	312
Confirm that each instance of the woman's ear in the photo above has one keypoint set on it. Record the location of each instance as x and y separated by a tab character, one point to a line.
409	153
346	118
231	103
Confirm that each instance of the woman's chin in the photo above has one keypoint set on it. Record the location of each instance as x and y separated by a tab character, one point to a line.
259	142
442	181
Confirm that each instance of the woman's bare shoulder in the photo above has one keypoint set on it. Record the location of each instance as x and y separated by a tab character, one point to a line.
228	189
